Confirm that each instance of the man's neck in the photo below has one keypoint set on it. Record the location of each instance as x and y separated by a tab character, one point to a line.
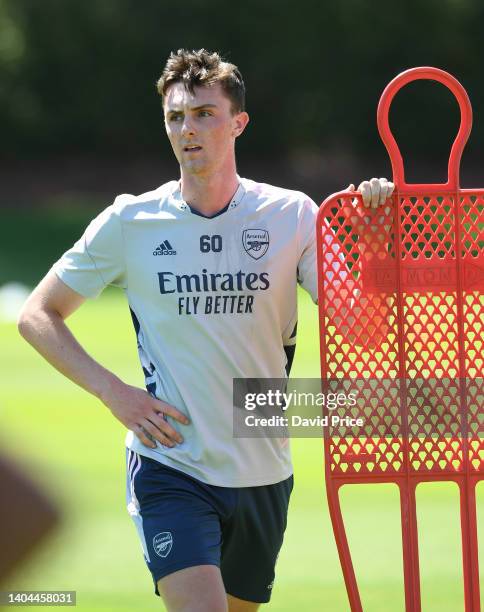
209	194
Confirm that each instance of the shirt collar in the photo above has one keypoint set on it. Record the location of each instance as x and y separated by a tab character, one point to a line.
180	203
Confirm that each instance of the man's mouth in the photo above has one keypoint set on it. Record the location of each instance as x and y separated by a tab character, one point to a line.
192	148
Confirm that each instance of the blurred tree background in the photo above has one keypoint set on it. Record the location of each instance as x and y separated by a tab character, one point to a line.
80	120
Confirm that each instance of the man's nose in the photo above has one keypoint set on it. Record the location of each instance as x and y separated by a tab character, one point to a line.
187	126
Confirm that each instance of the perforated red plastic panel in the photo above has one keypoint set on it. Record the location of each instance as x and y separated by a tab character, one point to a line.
401	302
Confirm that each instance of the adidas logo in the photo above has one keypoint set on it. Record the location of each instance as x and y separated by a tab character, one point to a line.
165	248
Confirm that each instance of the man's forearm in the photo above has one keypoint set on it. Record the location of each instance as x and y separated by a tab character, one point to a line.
47	332
44	328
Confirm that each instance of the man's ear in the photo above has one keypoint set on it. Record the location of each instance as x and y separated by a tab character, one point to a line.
240	121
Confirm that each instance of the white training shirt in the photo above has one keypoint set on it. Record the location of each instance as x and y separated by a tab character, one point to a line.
212	299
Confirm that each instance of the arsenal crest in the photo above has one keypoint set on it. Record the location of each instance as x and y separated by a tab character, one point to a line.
255	242
162	543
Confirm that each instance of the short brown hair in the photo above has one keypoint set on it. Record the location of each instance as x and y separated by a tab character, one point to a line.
201	69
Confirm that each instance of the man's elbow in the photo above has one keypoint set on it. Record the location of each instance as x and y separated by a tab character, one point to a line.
25	321
32	317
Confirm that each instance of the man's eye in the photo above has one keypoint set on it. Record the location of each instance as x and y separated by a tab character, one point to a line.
205	113
174	117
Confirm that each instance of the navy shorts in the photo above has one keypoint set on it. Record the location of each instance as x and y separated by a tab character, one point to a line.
183	522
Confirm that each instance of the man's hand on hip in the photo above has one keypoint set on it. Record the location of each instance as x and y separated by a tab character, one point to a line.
144	414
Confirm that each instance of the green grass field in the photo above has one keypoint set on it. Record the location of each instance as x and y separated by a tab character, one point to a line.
71	443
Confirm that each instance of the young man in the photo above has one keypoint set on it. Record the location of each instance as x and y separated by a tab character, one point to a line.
210	266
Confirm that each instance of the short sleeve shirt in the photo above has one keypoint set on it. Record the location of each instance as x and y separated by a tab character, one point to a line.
212	299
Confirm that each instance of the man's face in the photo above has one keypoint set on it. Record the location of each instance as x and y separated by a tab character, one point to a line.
201	127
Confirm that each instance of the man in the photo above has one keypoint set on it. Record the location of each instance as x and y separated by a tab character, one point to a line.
210	266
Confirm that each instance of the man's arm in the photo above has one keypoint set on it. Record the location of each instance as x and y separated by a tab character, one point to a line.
42	324
351	303
369	226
